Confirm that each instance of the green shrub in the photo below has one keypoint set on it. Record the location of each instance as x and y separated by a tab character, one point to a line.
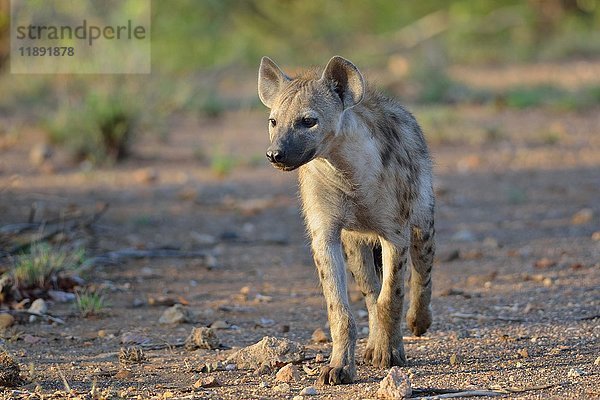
42	264
101	129
90	303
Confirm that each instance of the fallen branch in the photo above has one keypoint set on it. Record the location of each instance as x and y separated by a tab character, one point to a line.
119	256
445	394
486	317
48	229
45	316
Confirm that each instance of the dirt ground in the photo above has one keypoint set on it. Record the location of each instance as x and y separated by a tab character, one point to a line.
516	300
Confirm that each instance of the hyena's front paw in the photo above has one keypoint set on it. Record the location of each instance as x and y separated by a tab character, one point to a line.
385	356
419	320
335	375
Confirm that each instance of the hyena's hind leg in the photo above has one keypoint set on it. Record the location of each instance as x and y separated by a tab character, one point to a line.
422	252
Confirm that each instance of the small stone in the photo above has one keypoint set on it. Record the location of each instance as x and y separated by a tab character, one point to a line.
582	216
455	359
282	387
544	262
212	367
263	384
319	358
6	320
364	330
575	373
319	336
207	382
263	370
175	315
288	373
145	175
9	370
362	313
491	242
202	338
123	374
523	353
597	362
308	391
220	324
285	328
298	397
230	367
395	386
464	235
61	297
39	306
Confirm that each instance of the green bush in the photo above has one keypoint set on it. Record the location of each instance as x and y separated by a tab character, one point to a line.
101	129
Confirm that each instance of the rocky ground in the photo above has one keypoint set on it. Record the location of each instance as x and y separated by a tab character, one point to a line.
516	300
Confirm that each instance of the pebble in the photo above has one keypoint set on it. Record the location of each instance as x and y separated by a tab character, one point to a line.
263	384
263	370
395	385
61	297
282	387
230	367
464	236
575	373
582	216
362	313
319	358
39	306
298	397
6	320
308	391
319	336
145	175
288	373
207	382
597	362
212	367
220	324
175	315
202	338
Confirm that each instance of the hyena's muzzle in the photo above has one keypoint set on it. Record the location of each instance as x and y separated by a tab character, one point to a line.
290	151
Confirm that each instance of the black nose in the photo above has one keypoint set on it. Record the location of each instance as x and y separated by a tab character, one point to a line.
275	156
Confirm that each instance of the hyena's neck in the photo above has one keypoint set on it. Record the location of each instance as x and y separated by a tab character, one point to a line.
353	153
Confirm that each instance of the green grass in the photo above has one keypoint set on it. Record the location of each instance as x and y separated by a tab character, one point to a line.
222	164
90	303
43	262
101	129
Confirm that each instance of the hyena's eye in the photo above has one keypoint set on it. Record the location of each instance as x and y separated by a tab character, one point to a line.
272	122
308	122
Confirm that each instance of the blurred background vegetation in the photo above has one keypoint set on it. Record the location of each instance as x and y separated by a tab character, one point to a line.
205	54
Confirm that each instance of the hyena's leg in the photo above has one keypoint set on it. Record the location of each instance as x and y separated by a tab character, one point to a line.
385	346
329	259
418	317
361	263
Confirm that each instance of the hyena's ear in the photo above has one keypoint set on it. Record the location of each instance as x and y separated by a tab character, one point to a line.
270	80
346	79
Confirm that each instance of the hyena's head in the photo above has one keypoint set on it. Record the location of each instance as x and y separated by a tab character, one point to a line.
306	111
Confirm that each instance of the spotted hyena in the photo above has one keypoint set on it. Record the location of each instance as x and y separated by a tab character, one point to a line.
366	187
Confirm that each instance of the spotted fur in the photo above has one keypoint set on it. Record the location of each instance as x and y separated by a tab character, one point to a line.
366	186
